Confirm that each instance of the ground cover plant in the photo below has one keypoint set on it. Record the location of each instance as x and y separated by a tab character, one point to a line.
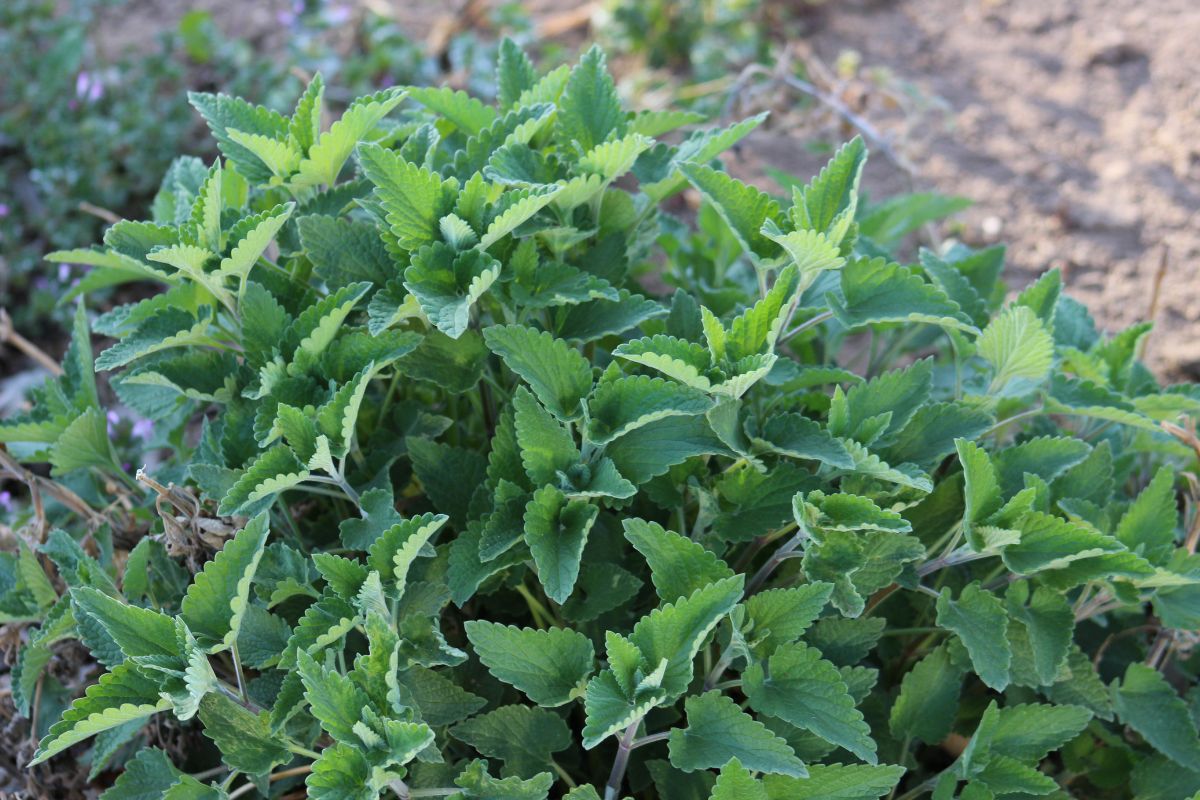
472	466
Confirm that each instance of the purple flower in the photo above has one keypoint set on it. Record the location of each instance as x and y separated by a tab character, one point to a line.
113	419
6	501
337	15
3	209
64	272
143	429
88	87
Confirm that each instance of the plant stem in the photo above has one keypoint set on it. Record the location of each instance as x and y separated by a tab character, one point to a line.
651	739
774	561
612	789
304	751
237	670
811	322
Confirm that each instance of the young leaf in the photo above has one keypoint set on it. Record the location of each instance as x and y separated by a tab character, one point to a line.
556	531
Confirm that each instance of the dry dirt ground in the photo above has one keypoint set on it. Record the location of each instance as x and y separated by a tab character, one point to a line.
1074	125
1076	130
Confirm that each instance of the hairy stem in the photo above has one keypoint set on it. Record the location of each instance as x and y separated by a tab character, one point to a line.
612	789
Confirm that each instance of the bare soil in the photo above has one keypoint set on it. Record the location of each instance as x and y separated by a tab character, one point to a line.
1075	128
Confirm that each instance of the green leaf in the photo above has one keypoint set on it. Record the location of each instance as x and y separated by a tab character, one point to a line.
521	206
626	403
589	111
546	446
440	700
397	548
216	600
833	191
678	565
928	701
876	291
780	616
344	251
1018	347
147	776
557	373
1049	542
515	73
413	197
341	773
84	444
447	285
1148	527
1031	732
677	631
799	687
328	154
978	617
333	699
253	244
796	436
477	784
1147	703
457	107
273	471
550	666
981	490
743	208
609	709
735	782
243	737
652	449
718	730
139	632
524	738
836	782
124	694
1049	624
556	531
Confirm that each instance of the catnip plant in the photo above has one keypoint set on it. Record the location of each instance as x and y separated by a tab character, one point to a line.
482	468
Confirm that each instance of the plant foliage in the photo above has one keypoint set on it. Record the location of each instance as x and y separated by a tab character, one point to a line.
444	500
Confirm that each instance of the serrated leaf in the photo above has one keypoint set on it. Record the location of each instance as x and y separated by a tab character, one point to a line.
524	738
556	531
743	208
243	737
333	699
717	730
623	404
546	446
1018	347
413	197
798	686
676	631
678	565
216	600
550	666
928	701
328	154
875	291
836	782
124	694
978	618
139	632
1148	704
557	373
589	111
272	472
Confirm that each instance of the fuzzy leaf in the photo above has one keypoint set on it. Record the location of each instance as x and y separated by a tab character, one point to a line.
718	730
550	666
216	600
